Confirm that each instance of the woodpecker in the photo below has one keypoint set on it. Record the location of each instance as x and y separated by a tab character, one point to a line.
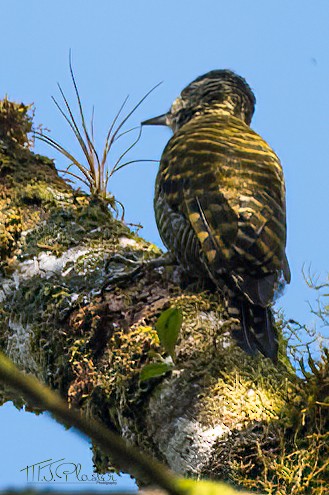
220	202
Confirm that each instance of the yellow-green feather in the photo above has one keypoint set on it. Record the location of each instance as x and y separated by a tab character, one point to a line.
227	182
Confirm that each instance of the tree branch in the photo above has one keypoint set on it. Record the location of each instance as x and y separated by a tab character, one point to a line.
79	300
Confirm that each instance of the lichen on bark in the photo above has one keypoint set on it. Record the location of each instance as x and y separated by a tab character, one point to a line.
79	300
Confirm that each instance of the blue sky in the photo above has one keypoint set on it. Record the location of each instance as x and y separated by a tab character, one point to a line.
126	47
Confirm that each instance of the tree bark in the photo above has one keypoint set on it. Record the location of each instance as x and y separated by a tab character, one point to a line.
79	300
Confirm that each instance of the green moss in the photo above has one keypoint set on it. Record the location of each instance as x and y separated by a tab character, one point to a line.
23	208
36	193
15	122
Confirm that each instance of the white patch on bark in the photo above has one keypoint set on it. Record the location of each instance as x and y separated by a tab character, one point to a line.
184	441
46	264
189	449
6	288
125	241
19	348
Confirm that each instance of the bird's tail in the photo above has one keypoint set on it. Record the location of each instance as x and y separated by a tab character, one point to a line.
255	330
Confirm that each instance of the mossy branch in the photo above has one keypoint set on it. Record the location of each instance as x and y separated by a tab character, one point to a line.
122	453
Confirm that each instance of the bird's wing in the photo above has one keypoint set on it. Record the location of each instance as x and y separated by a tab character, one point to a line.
246	243
216	226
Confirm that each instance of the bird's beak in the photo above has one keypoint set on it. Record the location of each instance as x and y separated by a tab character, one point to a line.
160	120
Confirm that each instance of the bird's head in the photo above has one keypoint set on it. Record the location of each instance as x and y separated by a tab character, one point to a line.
220	91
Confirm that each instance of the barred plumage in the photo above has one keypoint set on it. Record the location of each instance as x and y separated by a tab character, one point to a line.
220	201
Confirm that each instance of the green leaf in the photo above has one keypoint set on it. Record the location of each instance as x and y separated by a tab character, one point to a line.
153	370
167	327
